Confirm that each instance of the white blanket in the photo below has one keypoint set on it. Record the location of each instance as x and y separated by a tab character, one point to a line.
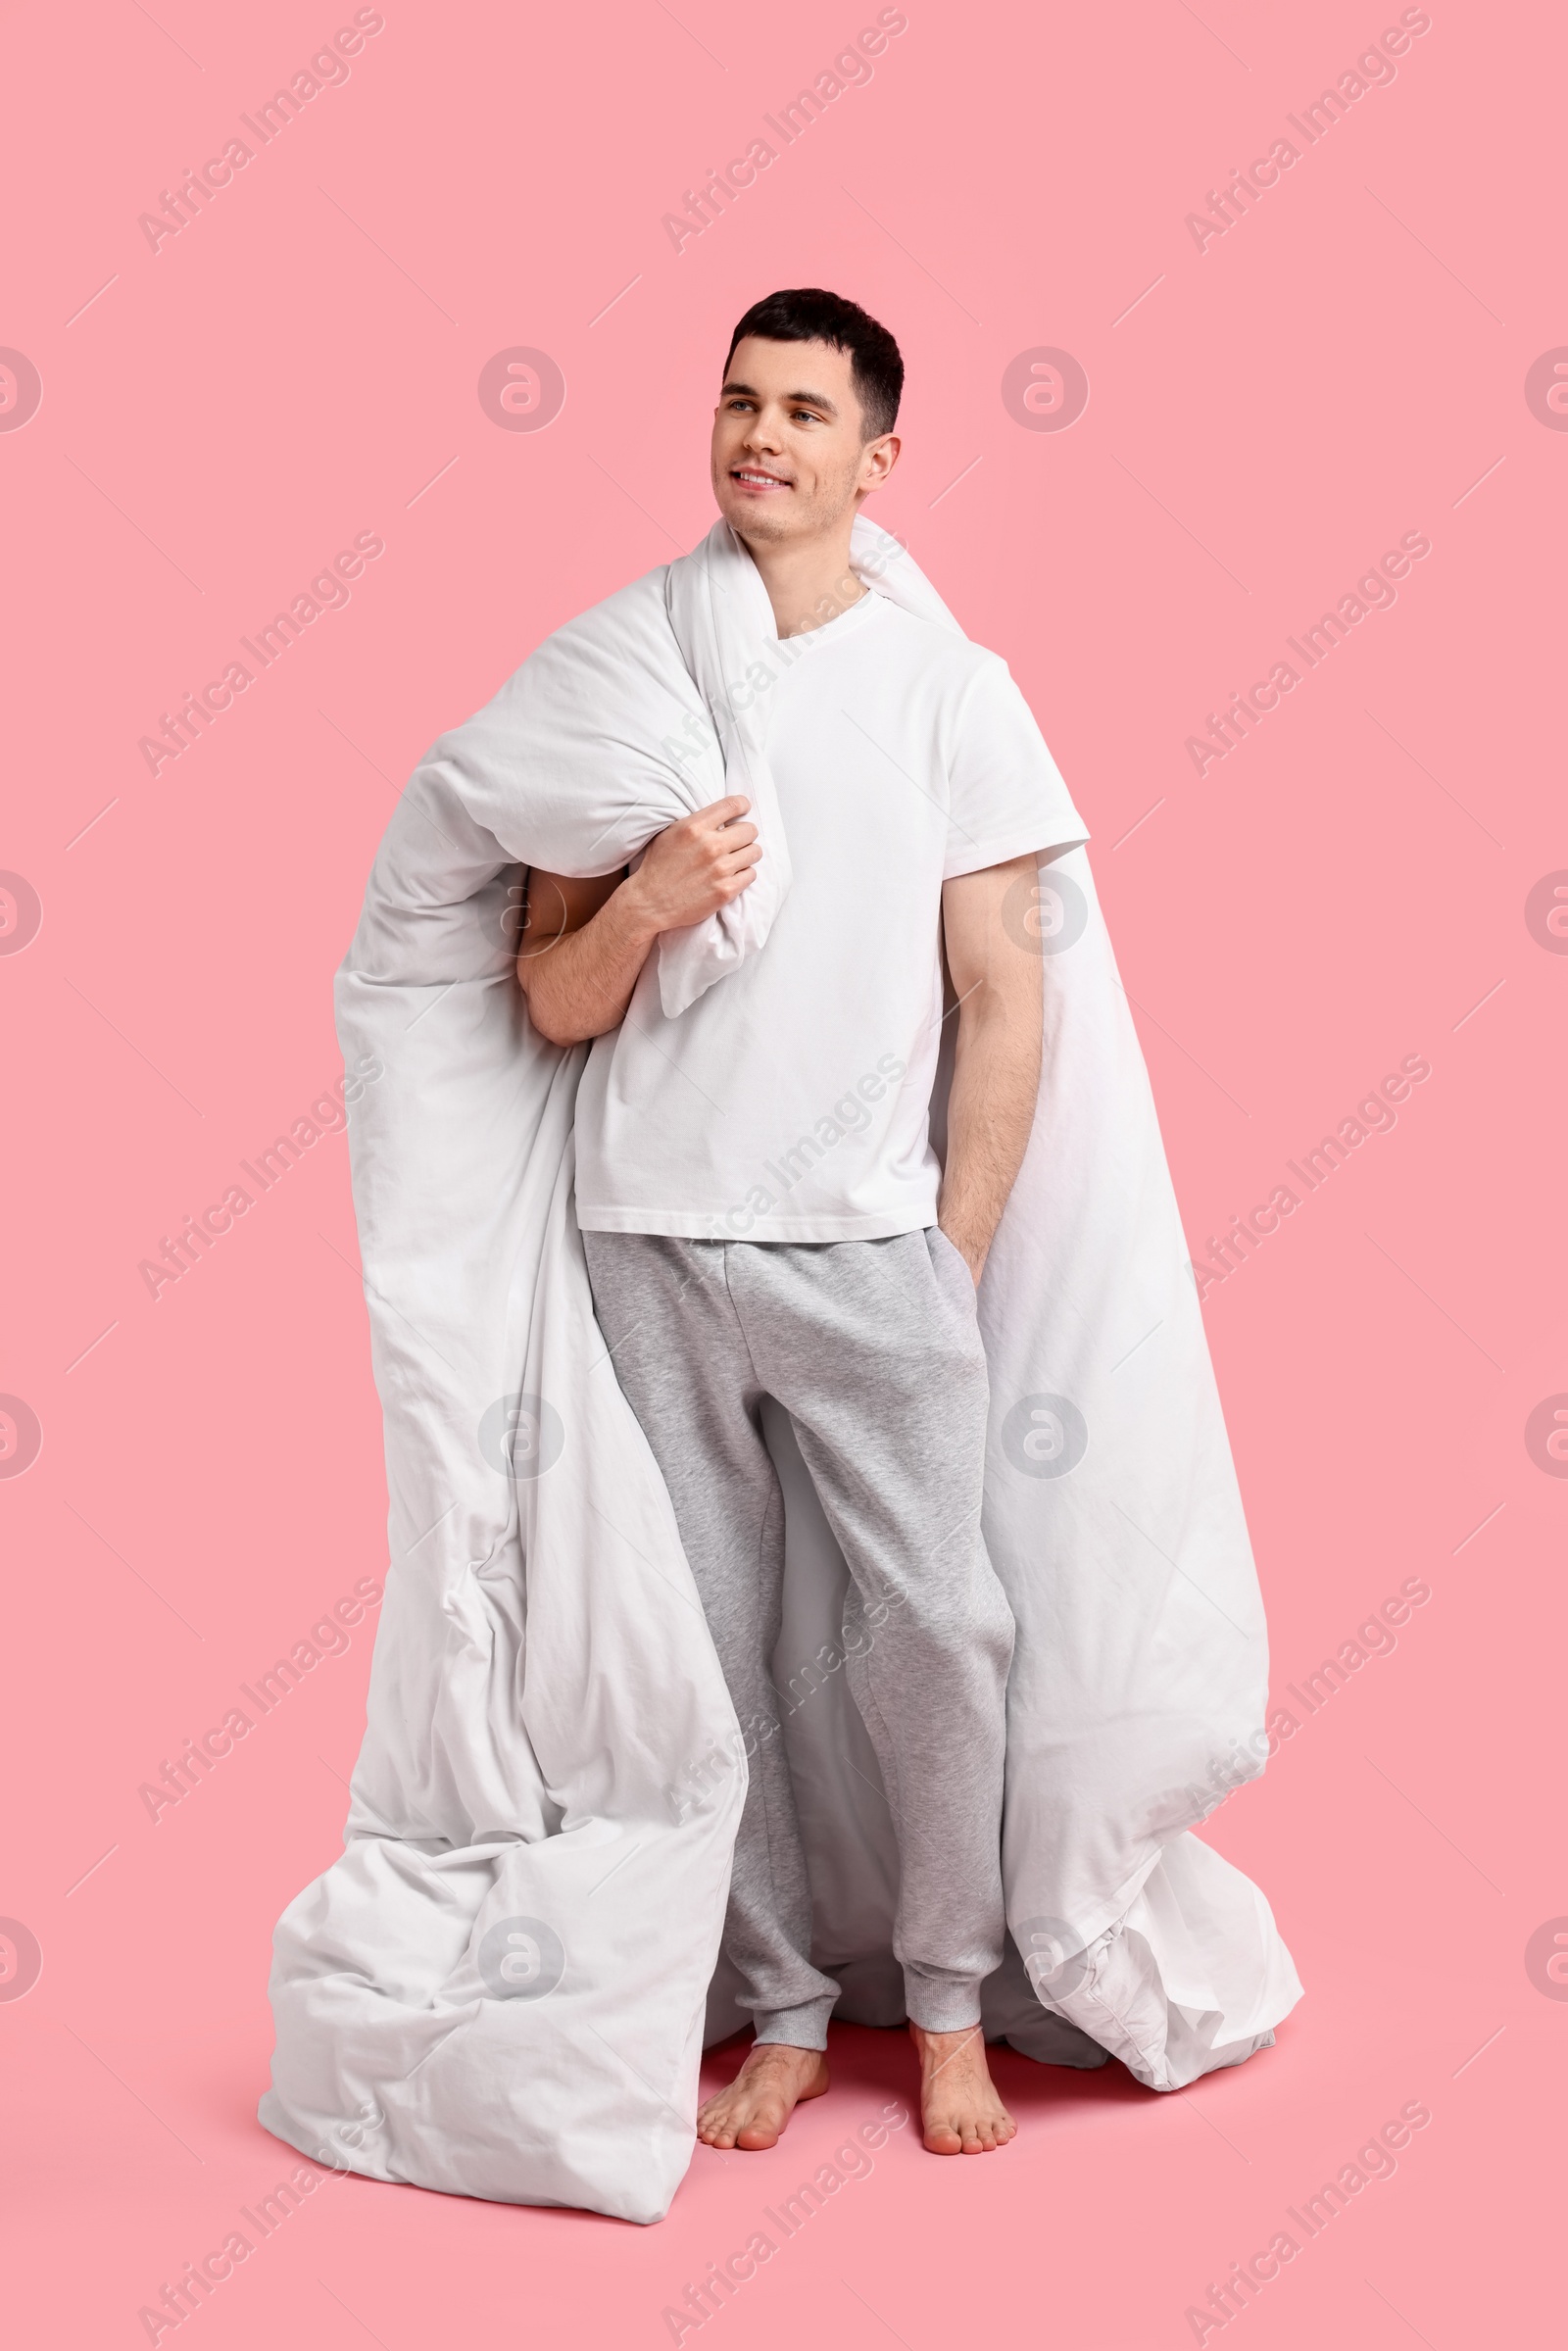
501	1987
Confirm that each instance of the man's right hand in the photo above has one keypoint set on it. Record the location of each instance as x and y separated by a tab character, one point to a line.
695	866
584	942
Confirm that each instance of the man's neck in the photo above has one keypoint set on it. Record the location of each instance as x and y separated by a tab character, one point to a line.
808	584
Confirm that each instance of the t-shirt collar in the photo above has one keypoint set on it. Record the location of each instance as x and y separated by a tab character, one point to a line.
841	624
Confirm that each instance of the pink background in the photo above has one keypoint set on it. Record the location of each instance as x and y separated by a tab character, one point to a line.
1265	417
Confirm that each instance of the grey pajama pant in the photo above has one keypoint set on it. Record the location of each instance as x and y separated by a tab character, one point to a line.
873	1348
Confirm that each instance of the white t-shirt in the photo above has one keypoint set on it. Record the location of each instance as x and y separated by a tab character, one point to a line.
790	1101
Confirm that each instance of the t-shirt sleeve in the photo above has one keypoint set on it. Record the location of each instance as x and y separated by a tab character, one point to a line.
1006	793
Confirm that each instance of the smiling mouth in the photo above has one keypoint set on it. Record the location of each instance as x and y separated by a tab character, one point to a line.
750	479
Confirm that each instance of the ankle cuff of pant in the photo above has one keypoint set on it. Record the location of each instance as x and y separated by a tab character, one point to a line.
951	2004
803	2028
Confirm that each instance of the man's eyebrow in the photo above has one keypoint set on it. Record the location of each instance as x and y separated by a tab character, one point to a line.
811	399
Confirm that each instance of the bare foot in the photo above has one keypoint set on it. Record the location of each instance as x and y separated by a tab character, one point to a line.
753	2112
959	2109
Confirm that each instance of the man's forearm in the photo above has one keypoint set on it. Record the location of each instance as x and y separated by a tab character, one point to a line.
991	1112
584	942
579	985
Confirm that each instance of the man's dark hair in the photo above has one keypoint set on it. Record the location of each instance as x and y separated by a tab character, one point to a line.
808	315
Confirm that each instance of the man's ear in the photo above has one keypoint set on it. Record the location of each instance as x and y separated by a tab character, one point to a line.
877	461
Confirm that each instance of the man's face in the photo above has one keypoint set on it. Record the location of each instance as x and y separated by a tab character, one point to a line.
788	459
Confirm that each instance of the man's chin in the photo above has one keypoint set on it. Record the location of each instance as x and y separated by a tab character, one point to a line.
751	520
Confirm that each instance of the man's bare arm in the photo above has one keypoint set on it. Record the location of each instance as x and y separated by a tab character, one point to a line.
995	1077
584	942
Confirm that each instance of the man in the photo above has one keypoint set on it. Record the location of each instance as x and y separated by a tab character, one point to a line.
762	1212
508	1962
